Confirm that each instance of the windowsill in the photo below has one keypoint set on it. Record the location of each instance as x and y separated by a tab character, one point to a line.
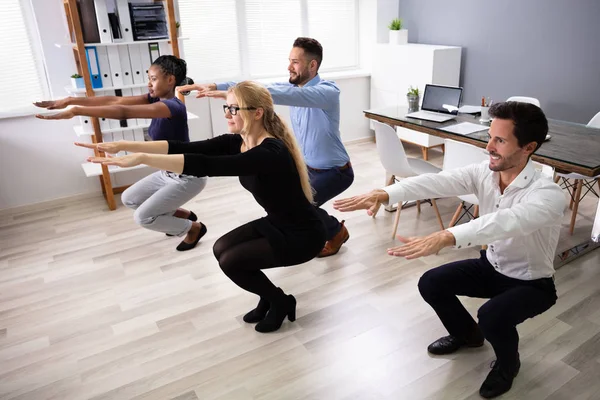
30	110
26	111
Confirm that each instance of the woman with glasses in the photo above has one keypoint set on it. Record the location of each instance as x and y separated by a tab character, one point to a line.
263	152
158	197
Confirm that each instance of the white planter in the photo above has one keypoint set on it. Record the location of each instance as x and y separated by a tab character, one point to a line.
399	37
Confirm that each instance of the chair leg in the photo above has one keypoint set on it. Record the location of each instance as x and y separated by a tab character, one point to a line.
396	220
454	219
573	194
425	152
556	178
476	212
578	185
437	213
418	206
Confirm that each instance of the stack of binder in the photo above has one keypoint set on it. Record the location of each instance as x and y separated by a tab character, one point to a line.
149	21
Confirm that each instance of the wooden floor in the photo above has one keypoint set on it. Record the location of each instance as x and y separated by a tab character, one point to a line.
94	307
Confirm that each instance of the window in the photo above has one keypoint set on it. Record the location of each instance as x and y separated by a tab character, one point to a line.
238	39
22	76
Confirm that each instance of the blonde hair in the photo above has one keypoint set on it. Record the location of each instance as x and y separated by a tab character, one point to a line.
251	94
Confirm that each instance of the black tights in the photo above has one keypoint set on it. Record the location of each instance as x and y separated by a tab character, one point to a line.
242	253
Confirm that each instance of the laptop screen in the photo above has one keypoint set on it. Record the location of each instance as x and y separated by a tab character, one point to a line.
436	97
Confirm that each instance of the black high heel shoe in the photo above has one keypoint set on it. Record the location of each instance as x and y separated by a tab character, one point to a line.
259	313
192	217
183	246
284	306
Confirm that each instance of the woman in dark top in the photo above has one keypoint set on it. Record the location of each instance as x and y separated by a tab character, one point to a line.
158	197
264	154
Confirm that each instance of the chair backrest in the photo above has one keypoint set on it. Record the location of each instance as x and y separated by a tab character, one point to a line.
595	121
391	152
523	99
546	170
457	154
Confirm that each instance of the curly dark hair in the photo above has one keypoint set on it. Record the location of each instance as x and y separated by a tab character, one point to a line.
171	65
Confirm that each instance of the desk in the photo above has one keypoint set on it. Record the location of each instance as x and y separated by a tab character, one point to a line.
573	147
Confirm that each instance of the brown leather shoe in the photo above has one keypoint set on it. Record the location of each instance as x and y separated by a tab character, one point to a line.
333	246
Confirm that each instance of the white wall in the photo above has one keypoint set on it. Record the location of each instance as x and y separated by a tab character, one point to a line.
38	161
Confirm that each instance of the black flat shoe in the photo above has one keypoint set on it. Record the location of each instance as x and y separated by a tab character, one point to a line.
449	344
284	306
259	313
183	246
192	217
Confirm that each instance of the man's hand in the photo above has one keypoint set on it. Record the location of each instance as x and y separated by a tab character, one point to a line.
369	201
52	104
201	88
415	247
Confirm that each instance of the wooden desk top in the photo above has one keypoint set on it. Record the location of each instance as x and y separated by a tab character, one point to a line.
572	147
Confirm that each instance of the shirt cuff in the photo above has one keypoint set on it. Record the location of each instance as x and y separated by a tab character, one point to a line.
395	194
463	236
222	86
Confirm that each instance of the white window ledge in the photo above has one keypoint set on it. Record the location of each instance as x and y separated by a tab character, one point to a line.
31	110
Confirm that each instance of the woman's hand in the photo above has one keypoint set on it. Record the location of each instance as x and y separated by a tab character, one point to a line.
52	104
130	160
107	147
67	114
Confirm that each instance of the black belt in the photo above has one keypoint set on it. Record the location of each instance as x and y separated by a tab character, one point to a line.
342	168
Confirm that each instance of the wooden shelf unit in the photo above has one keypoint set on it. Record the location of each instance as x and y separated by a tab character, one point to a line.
74	24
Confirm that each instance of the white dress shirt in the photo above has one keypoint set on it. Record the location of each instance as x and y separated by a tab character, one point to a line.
520	226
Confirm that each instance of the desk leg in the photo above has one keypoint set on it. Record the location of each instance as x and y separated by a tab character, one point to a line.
574	252
425	152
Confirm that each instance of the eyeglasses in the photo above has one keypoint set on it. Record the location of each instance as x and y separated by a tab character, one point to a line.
234	109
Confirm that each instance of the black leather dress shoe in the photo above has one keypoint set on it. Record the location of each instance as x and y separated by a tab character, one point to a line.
499	380
449	344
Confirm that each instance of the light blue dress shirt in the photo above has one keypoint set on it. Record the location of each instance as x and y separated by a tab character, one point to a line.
315	117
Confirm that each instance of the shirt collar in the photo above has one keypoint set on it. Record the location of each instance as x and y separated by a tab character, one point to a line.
314	81
523	179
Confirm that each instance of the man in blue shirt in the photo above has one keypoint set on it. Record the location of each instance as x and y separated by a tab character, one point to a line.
315	116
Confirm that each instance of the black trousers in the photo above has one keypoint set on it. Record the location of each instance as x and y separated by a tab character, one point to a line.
511	302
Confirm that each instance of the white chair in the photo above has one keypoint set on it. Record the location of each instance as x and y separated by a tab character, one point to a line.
394	160
459	155
523	99
579	181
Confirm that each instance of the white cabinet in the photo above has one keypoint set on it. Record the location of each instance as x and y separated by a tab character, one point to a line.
396	67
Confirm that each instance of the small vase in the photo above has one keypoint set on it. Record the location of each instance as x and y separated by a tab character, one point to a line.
399	37
77	83
413	103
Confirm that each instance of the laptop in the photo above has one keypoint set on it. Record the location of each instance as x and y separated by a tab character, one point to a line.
440	103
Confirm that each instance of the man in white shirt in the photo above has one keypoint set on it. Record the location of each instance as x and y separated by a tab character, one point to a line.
521	213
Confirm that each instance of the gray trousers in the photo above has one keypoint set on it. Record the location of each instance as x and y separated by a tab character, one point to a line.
156	198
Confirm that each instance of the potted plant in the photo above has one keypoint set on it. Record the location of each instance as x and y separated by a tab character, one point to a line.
177	25
397	34
77	81
413	99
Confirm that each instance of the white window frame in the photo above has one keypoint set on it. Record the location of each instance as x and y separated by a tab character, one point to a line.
244	66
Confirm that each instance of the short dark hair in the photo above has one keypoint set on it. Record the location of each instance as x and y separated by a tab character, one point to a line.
530	123
311	47
171	65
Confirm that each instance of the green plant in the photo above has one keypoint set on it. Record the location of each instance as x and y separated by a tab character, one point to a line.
413	91
395	25
177	24
76	76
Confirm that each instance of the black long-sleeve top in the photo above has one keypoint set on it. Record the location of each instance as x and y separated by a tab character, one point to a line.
269	172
